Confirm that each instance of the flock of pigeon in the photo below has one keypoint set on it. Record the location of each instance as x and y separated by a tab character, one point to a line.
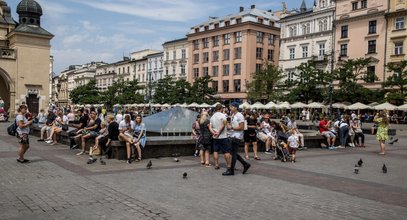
360	163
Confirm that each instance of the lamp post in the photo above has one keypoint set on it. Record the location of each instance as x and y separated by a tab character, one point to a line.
331	78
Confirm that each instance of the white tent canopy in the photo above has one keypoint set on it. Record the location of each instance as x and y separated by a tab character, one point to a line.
270	105
245	105
298	105
283	105
166	105
339	105
358	106
214	105
315	105
402	107
184	105
204	105
385	106
258	105
193	105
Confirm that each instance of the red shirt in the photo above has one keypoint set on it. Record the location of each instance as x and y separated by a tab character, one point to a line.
322	125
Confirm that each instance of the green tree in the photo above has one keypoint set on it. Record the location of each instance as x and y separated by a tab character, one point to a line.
181	92
163	90
397	81
201	91
128	93
267	83
310	84
85	94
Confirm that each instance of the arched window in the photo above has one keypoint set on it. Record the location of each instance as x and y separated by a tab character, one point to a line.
320	25
325	25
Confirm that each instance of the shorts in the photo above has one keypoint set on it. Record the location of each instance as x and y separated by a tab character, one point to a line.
292	150
222	144
23	139
93	133
205	147
249	136
262	136
328	134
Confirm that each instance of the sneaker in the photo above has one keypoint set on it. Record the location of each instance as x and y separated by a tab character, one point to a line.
228	173
331	148
74	146
269	151
304	148
49	141
128	161
340	147
80	153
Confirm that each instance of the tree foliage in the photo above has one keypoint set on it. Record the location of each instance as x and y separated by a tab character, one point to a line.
85	94
267	83
398	80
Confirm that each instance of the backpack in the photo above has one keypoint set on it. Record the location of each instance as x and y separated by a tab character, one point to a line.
12	129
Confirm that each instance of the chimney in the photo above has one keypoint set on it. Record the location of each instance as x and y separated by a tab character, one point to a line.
241	9
253	7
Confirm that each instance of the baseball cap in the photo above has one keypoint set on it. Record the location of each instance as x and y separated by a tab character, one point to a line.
235	104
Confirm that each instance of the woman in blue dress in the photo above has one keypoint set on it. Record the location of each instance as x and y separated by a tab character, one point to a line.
139	135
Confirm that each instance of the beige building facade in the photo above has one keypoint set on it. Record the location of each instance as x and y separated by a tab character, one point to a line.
24	57
230	49
396	16
360	32
176	59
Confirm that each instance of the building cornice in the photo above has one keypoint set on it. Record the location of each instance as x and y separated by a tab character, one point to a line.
297	17
359	17
312	35
396	13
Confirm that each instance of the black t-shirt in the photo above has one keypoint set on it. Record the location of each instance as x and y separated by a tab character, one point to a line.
113	130
97	122
84	121
251	122
50	119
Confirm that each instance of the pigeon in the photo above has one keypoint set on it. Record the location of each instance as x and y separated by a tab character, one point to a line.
149	164
185	175
360	162
384	168
102	161
356	169
176	160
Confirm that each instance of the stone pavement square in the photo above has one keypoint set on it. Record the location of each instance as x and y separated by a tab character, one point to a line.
57	184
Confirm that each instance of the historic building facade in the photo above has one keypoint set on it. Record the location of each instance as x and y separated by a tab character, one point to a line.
176	58
307	34
155	70
231	48
360	32
396	16
105	76
24	57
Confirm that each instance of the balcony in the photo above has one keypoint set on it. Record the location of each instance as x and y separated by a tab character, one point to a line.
7	54
320	59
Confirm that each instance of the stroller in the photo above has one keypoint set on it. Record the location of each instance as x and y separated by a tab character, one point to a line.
281	148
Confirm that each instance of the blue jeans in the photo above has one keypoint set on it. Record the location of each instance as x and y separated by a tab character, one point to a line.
343	135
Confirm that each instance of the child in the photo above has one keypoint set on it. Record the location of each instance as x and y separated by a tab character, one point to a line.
102	133
293	143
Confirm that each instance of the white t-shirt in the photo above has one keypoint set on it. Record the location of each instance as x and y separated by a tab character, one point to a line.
125	126
119	118
293	141
217	121
236	120
64	119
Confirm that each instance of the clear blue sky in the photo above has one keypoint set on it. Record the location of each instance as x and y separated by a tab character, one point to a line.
105	30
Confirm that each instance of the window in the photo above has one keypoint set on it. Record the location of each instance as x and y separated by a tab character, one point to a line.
344	31
236	84
363	4
371	46
306	29
182	69
238	37
226	39
271	39
399	23
215	86
215	41
174	54
260	21
238	53
270	55
259	67
167	56
398	48
226	70
237	70
205	71
173	70
325	25
259	53
183	54
217	25
166	71
215	56
196	73
292	53
238	21
206	42
344	50
227	23
292	31
259	37
371	74
205	57
354	6
290	76
196	45
372	27
215	71
321	49
225	85
196	58
226	54
304	51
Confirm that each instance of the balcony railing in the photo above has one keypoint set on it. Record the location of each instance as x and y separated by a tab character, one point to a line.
7	53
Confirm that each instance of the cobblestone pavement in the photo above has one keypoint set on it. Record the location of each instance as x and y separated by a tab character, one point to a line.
56	184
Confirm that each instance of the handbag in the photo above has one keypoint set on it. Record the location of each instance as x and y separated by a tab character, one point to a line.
94	151
65	127
12	129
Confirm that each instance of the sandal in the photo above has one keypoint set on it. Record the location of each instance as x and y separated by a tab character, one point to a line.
217	167
138	159
207	165
202	164
257	158
247	157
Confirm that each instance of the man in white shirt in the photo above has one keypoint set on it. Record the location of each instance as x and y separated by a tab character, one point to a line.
217	127
236	138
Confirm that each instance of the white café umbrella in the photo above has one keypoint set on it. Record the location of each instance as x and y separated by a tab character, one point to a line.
166	105
270	105
193	105
283	105
156	105
402	107
245	105
134	105
315	105
177	105
373	104
258	105
204	105
298	105
339	105
214	105
385	106
116	105
358	106
184	105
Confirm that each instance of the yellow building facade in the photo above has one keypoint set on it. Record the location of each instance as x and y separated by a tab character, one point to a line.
396	17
